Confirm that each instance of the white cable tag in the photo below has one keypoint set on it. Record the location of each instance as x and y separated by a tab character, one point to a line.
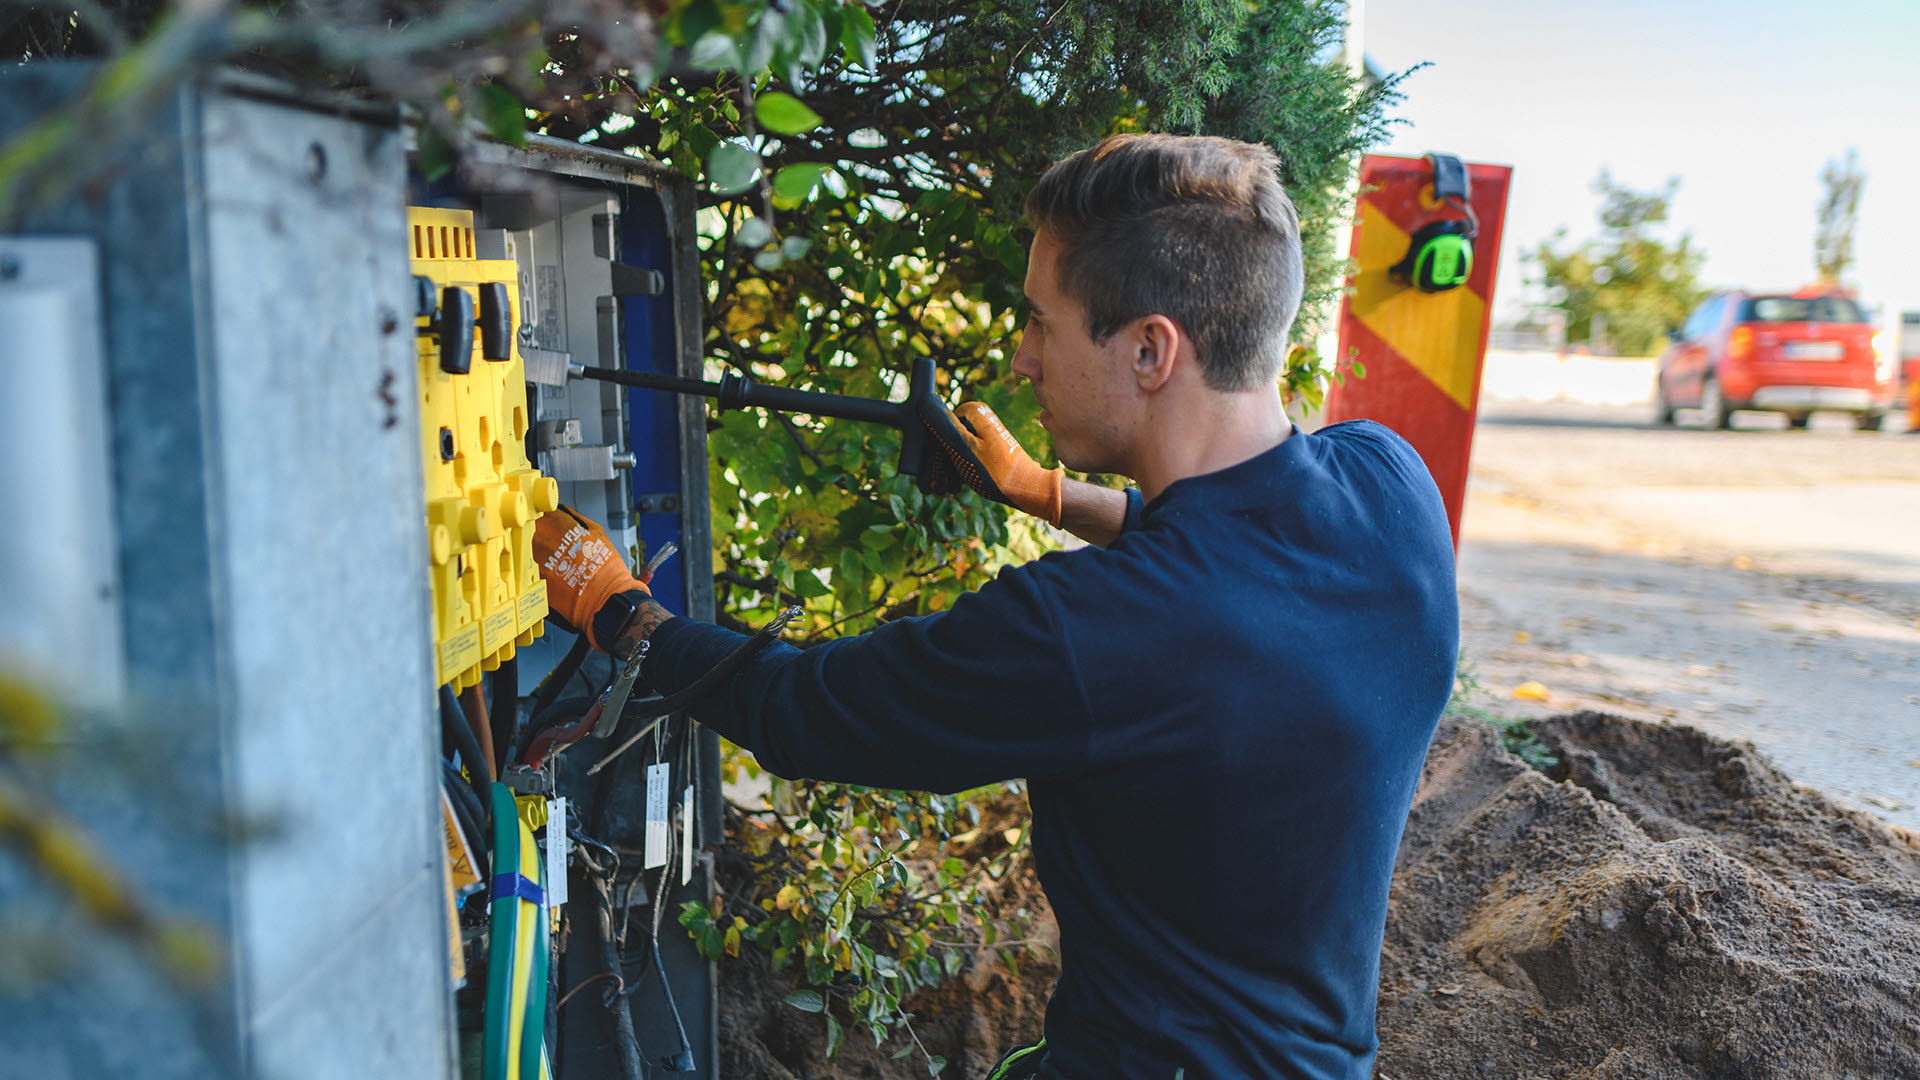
686	834
658	777
557	847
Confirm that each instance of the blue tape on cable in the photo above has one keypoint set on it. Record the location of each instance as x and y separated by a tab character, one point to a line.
509	885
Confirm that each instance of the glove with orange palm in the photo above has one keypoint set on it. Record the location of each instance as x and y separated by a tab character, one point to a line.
589	588
991	461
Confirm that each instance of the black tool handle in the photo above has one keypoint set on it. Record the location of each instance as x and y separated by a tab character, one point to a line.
914	444
647	380
736	391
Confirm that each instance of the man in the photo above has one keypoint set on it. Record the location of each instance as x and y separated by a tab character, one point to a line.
1221	708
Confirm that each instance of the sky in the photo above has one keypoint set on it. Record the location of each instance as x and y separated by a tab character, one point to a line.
1743	101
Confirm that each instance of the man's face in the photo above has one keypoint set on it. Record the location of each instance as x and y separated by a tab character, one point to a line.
1086	389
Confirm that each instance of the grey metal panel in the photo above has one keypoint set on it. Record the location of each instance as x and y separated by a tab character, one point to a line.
146	230
326	609
270	540
59	601
332	1026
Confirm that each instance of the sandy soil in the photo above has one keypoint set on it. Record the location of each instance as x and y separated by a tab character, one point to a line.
1662	905
1759	584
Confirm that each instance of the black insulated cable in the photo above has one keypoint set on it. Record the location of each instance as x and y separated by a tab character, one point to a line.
453	725
626	1040
470	816
555	683
503	712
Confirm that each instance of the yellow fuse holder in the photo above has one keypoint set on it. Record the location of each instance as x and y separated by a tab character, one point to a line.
483	495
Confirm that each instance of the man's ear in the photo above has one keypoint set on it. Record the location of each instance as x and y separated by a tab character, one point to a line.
1159	344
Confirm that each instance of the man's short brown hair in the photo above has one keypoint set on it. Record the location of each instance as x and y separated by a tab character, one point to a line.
1195	228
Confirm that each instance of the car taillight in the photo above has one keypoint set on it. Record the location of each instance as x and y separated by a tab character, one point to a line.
1740	343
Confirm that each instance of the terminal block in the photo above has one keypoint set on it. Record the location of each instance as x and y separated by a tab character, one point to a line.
483	495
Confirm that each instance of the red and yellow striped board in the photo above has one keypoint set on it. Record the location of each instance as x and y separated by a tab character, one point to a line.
1421	351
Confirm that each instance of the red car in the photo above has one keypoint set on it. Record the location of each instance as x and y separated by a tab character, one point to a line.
1793	354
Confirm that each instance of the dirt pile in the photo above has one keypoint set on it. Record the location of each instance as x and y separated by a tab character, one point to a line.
1666	905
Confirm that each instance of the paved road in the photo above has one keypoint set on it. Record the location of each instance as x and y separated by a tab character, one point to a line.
1759	583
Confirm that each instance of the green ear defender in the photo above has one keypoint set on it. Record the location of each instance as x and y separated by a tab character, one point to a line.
1441	254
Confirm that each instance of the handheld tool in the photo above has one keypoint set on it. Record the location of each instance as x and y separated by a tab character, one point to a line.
912	417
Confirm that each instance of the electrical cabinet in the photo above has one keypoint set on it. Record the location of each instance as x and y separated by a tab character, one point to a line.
592	256
337	399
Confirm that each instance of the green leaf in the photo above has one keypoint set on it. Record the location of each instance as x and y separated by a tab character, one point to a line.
766	34
935	1064
503	114
849	567
715	51
856	35
694	22
754	233
784	114
693	915
796	182
833	1037
809	42
809	585
701	140
1359	369
806	1001
731	168
435	157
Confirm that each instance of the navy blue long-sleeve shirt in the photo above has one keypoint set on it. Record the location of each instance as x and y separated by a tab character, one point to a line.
1221	716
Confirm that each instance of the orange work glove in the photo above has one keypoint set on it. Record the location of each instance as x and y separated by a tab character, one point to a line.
589	588
992	463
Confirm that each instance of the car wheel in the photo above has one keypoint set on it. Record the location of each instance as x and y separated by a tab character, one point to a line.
1662	408
1868	421
1798	420
1714	414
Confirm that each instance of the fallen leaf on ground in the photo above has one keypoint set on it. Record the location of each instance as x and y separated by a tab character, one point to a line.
1741	562
1521	637
1531	691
